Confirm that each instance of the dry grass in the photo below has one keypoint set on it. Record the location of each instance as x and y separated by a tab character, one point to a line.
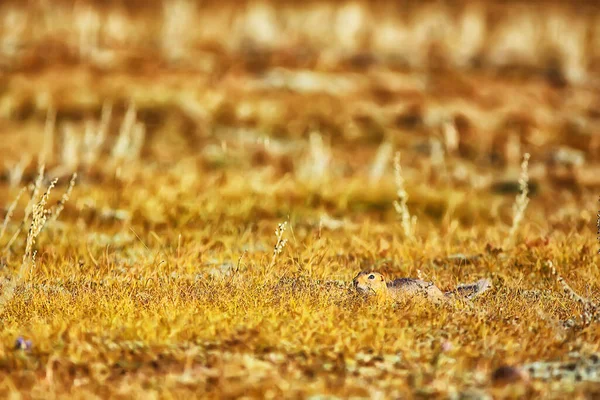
152	269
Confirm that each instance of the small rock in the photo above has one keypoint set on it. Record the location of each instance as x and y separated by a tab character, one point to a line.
567	156
22	344
508	374
512	187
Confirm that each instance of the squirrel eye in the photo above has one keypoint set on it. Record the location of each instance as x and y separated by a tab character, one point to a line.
371	276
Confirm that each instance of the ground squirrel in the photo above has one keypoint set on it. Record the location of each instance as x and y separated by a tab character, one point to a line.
374	282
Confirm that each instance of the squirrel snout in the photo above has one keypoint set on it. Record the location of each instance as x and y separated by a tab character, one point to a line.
359	288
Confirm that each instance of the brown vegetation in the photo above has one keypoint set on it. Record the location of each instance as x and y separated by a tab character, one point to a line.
188	190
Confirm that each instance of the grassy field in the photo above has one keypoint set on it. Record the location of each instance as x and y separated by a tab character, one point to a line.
182	216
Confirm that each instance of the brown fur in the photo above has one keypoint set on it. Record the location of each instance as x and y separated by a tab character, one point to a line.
375	283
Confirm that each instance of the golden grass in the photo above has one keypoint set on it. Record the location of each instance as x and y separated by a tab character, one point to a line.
207	246
165	304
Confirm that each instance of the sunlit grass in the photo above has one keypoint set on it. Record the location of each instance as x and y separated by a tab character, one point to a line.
170	304
200	218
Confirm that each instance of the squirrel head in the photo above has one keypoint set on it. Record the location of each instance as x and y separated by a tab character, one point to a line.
369	282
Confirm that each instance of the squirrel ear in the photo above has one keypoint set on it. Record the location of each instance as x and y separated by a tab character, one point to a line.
381	278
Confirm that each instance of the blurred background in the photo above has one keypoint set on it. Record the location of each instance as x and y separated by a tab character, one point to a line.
484	81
